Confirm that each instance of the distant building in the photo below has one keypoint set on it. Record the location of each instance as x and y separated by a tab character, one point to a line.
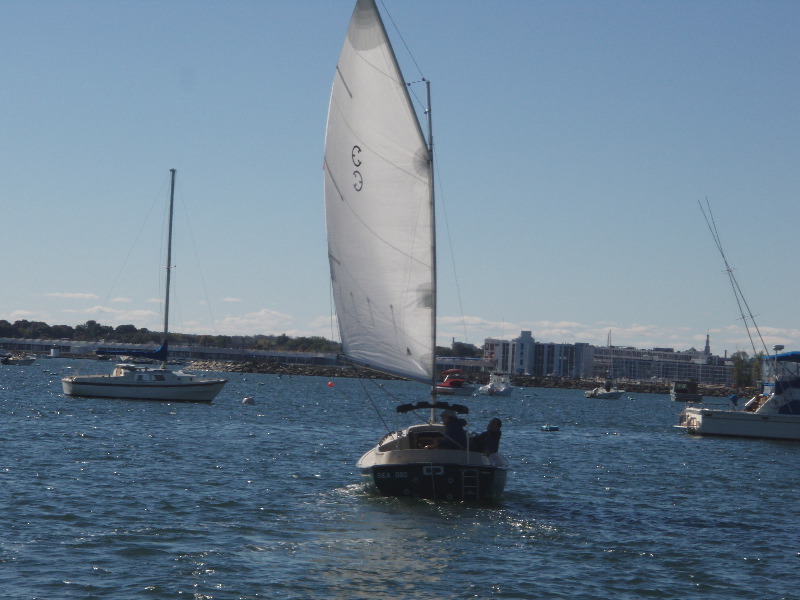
584	361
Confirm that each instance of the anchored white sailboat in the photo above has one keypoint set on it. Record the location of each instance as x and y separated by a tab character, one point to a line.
139	382
382	252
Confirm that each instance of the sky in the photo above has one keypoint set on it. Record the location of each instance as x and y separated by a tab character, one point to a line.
573	140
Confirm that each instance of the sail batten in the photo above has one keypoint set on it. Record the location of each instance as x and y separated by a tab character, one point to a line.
378	208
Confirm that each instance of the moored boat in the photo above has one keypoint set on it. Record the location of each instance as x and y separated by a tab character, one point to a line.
606	392
131	381
455	383
17	360
686	391
499	385
772	414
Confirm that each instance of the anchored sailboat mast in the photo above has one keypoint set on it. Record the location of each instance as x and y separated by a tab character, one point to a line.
169	255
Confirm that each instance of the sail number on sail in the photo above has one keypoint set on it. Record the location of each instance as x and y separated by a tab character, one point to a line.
359	184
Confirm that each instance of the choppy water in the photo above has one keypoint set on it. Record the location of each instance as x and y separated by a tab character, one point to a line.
119	499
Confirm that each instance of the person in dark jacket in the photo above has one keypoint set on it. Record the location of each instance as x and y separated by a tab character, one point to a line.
455	434
488	442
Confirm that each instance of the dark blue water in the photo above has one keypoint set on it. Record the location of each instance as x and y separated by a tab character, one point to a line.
119	499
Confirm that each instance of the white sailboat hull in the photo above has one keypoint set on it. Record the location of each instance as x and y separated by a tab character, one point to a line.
133	382
705	421
144	384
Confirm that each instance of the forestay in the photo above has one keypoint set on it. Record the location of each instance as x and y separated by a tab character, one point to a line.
379	212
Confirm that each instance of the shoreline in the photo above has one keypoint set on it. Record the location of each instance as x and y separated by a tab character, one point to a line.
521	381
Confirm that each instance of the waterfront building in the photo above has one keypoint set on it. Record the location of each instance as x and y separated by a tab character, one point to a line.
585	361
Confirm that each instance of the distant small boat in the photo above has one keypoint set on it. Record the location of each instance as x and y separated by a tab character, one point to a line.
607	392
17	360
499	385
549	427
455	383
686	391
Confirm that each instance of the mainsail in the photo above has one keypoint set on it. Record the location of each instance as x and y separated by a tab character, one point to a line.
378	206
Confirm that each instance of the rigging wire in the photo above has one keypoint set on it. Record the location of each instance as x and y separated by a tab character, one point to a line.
440	194
361	381
400	35
443	204
156	200
737	291
196	257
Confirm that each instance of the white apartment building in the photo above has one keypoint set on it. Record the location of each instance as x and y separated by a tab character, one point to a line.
584	361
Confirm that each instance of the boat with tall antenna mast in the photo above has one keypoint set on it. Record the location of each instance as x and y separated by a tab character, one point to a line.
774	413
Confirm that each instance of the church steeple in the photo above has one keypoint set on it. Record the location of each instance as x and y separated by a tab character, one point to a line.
708	345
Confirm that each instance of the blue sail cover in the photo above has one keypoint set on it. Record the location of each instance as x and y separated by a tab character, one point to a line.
159	353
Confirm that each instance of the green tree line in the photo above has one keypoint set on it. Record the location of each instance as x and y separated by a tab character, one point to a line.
747	372
92	331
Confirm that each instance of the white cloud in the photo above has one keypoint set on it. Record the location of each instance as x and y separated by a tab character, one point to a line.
262	322
142	318
72	295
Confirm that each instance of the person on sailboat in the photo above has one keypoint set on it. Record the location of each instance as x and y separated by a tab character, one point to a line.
487	442
455	436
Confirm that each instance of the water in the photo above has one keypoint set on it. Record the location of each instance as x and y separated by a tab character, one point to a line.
123	500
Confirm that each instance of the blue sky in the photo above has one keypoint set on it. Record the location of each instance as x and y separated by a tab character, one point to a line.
573	139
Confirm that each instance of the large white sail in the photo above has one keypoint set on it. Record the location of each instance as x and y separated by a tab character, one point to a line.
378	206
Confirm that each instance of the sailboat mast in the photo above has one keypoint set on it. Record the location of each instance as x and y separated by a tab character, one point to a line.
169	252
434	291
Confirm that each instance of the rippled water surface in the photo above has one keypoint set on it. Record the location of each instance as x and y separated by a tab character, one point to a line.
120	499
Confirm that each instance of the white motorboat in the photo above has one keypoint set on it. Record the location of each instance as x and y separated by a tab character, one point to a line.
499	385
139	382
607	392
17	360
772	414
379	208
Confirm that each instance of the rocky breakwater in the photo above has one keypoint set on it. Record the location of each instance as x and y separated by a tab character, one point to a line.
631	387
274	368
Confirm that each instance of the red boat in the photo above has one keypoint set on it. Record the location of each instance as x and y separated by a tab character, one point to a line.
455	383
